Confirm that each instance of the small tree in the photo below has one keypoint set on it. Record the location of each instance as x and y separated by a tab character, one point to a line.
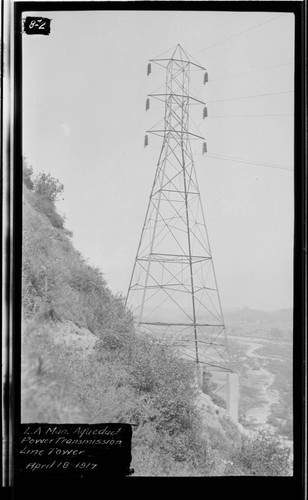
47	191
47	186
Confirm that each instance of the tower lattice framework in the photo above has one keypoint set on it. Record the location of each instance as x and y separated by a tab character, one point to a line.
173	291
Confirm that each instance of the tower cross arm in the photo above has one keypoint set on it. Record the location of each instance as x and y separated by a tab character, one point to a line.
178	132
177	60
177	95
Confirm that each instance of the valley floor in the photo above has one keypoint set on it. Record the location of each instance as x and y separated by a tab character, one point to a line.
256	359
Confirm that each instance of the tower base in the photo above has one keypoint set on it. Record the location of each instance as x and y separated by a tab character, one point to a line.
232	395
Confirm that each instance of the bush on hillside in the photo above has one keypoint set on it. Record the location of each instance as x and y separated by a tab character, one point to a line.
46	206
262	455
48	187
43	191
46	394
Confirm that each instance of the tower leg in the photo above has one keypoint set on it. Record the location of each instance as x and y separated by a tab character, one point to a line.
199	369
232	395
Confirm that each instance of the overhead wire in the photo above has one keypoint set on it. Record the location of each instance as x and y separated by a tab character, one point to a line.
237	160
195	60
239	34
244	97
250	162
251	71
163	53
251	96
249	116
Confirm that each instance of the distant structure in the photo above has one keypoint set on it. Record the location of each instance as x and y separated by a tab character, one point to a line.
173	291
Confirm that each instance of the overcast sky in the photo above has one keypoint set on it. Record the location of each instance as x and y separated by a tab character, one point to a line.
84	120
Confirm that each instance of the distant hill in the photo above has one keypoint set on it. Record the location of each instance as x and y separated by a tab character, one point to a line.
281	318
264	322
284	316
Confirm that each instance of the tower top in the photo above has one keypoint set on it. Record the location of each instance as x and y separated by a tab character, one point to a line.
177	54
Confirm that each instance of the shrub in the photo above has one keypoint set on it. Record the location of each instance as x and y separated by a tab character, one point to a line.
48	187
45	205
263	455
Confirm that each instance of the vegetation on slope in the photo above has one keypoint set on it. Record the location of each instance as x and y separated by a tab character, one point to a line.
112	374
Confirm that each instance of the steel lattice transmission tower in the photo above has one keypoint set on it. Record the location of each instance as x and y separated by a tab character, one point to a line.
173	292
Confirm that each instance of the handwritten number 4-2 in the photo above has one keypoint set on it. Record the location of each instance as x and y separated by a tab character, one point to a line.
33	24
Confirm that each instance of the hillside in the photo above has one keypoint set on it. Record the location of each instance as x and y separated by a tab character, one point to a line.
83	362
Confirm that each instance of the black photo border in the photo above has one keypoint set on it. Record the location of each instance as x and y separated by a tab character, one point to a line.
219	487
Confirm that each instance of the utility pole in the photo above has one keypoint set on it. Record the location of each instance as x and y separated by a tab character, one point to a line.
173	291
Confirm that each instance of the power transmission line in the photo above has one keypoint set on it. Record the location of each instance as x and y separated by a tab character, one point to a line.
239	34
251	96
249	162
251	71
249	116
